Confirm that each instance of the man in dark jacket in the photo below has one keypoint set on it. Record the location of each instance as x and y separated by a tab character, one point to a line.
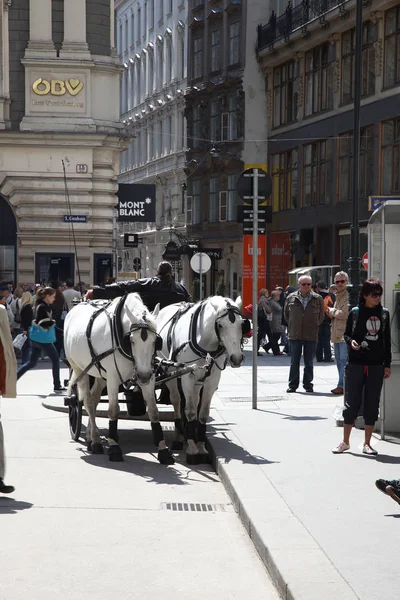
162	289
323	351
304	312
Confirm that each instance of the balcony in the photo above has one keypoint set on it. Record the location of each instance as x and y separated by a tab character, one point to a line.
296	18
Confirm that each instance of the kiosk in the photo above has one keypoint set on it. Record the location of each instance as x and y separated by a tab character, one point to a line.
384	264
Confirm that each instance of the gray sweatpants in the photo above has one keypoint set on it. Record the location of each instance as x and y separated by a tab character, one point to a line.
2	456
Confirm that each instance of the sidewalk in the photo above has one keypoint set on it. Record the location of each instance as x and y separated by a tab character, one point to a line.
319	524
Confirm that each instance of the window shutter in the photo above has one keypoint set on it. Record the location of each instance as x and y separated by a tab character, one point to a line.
225	126
189	202
223	196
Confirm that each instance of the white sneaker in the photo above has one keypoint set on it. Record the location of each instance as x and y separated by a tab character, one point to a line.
342	447
369	450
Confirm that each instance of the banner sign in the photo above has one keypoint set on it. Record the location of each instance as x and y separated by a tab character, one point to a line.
75	218
375	202
136	203
247	295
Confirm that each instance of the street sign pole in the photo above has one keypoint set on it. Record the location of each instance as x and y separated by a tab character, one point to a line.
201	277
255	287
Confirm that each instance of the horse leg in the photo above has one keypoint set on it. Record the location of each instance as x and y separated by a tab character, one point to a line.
95	394
92	433
175	396
191	392
209	388
164	455
115	452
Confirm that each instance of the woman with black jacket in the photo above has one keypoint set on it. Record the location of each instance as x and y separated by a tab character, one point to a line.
368	338
26	314
43	317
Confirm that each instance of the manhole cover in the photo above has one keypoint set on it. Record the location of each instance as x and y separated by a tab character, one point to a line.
193	507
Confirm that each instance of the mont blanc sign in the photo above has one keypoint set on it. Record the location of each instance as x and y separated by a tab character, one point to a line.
136	203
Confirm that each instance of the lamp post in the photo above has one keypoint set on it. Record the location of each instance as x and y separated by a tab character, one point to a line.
355	259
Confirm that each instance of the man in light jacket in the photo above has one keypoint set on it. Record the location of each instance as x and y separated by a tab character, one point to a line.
339	313
304	312
8	381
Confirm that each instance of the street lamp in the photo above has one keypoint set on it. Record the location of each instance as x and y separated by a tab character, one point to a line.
355	259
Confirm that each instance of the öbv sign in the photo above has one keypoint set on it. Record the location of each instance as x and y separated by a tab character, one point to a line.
57	87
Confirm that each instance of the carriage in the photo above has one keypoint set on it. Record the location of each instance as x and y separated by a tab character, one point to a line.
180	350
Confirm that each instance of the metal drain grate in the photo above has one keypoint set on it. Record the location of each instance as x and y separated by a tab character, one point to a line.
193	507
268	399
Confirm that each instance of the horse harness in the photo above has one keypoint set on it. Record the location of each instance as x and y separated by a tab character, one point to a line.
122	341
231	312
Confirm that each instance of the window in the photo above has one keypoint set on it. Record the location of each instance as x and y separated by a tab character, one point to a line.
390	171
139	17
368	62
213	200
346	164
198	57
196	127
169	6
120	43
145	18
317	173
233	118
215	121
392	47
233	199
234	43
182	56
215	50
194	203
223	200
160	66
126	43
286	84
151	72
132	41
285	180
169	60
138	82
161	13
151	142
151	15
319	79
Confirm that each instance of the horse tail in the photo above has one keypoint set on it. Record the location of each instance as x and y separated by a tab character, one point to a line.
74	376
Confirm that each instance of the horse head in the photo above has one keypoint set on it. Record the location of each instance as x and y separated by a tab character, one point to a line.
228	328
142	332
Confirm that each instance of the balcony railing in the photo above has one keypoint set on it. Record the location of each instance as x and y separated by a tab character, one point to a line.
295	18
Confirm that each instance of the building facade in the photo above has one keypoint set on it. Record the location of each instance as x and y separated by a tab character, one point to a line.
152	47
307	51
215	114
60	139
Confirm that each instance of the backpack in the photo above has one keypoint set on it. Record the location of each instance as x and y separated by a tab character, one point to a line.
356	313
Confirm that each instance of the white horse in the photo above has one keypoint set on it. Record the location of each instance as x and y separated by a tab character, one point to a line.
209	333
122	335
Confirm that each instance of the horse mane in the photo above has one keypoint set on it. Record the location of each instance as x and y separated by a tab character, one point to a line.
139	310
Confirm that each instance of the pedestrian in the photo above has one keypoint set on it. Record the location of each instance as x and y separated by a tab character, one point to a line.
43	318
15	306
7	295
8	382
304	312
367	335
276	324
339	314
26	322
70	293
323	352
264	317
59	310
390	487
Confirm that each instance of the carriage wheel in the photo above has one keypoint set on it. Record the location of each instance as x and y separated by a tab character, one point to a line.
75	414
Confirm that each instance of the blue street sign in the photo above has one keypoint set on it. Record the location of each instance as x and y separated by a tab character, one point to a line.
75	218
375	202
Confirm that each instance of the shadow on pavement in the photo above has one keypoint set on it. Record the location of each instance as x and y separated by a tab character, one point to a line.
9	506
293	417
224	447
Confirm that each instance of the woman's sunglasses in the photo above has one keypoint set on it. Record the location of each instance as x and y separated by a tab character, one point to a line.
340	281
376	294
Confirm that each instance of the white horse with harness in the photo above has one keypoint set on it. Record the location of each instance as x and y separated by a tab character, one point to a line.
209	332
116	343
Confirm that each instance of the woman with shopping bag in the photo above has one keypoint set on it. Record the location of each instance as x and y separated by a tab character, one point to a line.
42	336
26	313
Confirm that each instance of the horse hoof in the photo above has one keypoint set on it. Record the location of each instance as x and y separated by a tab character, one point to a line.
165	457
177	446
89	446
204	459
192	459
115	454
97	448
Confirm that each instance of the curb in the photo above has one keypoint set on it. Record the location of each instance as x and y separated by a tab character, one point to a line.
296	563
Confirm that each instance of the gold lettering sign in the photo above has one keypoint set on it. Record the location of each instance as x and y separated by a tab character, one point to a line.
57	87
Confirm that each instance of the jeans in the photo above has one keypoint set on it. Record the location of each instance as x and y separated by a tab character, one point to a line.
341	356
296	349
264	331
51	352
273	343
26	351
323	351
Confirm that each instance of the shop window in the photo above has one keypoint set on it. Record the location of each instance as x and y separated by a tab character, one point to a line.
285	180
319	79
318	173
390	157
285	93
392	47
368	62
346	164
